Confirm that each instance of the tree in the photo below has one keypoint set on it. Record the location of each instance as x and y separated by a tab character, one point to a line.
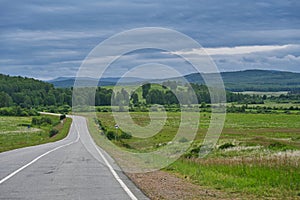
145	89
135	98
5	100
155	97
125	96
50	100
170	98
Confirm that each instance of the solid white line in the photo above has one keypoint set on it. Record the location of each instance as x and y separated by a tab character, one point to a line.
36	159
114	173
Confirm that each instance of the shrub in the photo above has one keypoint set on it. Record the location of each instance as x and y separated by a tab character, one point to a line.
125	135
226	146
35	121
111	135
193	153
43	120
61	117
53	132
46	120
126	145
17	111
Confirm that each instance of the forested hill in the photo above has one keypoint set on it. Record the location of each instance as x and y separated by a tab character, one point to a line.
28	92
238	81
255	80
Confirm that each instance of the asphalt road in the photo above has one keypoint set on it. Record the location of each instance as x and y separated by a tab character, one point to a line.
73	168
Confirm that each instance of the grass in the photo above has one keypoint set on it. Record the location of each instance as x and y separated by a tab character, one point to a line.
142	119
15	132
260	163
255	129
261	177
264	93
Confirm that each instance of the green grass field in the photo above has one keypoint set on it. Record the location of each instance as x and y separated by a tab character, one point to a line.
262	160
16	133
247	129
264	93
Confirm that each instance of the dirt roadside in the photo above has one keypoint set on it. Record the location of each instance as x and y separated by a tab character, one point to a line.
163	185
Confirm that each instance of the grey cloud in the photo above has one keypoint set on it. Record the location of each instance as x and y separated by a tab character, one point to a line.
50	33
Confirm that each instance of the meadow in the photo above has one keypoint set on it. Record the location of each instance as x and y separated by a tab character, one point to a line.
18	132
264	93
257	154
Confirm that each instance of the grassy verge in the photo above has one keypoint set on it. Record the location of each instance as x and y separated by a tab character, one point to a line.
259	177
18	132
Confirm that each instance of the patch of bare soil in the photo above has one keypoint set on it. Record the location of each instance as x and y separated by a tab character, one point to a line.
163	185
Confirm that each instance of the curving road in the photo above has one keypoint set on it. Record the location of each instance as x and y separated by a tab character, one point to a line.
73	168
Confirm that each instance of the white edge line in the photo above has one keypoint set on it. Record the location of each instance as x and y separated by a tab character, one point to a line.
36	159
114	173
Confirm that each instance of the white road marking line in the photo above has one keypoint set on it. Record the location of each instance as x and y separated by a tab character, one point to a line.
36	159
114	173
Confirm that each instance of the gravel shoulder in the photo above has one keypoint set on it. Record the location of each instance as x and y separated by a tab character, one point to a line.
163	185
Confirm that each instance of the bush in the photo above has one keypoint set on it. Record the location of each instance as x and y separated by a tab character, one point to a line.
53	132
111	135
126	145
39	121
17	111
193	153
125	135
226	146
61	117
100	109
46	120
35	121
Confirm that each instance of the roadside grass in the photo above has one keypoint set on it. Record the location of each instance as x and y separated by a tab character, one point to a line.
248	164
276	177
17	132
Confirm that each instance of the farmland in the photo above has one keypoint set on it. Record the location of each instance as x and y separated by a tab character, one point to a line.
256	155
17	132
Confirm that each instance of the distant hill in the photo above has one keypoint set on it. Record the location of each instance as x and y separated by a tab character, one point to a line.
255	80
248	80
65	82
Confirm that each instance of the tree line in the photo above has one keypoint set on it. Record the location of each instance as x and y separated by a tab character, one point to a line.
28	93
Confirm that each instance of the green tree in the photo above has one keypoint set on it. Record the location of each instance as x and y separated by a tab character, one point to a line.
155	96
145	89
5	100
135	98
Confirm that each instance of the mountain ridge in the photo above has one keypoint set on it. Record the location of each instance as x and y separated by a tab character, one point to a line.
238	81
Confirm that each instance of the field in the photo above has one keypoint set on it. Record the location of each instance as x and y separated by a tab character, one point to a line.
17	132
276	94
257	154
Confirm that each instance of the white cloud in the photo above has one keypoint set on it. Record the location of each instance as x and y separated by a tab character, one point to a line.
47	35
234	50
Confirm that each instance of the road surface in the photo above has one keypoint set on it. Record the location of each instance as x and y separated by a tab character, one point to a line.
73	168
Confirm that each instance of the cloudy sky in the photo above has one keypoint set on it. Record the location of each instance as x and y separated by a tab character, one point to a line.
50	38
